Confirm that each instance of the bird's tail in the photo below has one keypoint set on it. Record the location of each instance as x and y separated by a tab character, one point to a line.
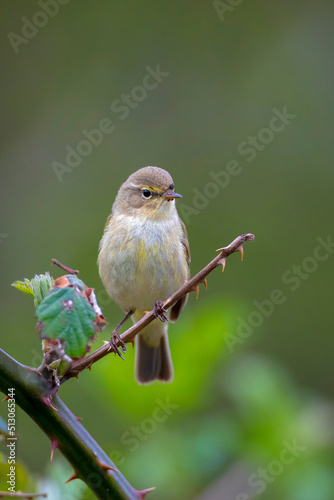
153	359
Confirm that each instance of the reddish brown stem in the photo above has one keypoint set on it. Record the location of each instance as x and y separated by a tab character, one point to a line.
189	286
63	267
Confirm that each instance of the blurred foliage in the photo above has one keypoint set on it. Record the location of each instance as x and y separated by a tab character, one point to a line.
23	480
225	78
3	429
182	437
57	473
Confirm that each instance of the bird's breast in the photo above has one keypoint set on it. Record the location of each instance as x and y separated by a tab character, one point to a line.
142	261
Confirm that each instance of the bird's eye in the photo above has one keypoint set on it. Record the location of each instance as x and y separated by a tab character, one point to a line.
146	193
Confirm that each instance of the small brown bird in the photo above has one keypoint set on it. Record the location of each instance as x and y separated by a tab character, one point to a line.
144	257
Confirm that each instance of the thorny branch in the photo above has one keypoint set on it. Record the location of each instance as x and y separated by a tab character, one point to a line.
33	390
189	286
90	462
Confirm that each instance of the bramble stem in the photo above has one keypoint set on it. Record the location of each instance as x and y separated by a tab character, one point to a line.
189	286
90	462
33	391
63	267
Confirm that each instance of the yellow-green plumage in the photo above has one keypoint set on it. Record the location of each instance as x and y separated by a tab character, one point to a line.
144	257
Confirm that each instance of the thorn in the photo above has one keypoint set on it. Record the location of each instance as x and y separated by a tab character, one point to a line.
222	262
142	494
241	250
205	283
47	402
74	476
195	288
105	467
54	445
5	399
78	419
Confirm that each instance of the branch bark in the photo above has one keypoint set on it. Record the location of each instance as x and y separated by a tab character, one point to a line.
33	390
90	462
189	286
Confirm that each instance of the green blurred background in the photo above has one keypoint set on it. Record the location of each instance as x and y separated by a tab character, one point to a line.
237	401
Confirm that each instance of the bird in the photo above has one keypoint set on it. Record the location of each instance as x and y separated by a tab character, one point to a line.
144	257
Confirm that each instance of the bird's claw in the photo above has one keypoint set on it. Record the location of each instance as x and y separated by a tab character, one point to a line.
115	341
159	311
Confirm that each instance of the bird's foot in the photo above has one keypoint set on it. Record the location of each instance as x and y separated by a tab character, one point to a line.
159	311
116	341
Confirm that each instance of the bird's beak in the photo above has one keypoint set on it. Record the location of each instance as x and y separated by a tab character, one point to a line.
170	195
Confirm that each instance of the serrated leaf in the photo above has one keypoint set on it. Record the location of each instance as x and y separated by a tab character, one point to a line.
38	286
66	314
24	286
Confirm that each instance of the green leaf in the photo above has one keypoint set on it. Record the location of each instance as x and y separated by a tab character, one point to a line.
37	286
65	314
24	286
41	284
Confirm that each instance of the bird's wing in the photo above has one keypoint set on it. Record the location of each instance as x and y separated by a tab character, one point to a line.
185	242
108	220
179	305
